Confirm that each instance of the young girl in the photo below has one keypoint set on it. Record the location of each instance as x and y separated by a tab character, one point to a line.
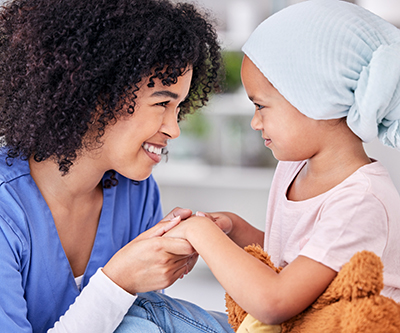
324	76
91	91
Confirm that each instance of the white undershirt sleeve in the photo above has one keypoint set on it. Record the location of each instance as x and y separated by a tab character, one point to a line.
100	307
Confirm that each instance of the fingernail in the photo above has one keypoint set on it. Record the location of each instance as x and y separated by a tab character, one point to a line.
176	218
200	214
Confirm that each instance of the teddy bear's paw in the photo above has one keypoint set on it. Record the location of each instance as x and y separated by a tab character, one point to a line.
371	315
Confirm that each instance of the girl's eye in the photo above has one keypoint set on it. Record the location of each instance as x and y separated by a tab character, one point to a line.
258	106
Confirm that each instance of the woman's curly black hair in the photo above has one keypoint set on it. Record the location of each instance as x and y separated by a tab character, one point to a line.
62	59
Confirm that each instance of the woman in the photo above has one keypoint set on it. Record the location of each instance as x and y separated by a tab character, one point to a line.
91	92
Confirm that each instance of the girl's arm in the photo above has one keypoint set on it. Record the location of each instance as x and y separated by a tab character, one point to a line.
239	230
270	297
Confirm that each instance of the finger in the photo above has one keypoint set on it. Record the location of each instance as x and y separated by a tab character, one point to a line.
185	268
186	264
183	261
166	226
184	213
180	273
177	246
177	270
192	261
160	228
208	215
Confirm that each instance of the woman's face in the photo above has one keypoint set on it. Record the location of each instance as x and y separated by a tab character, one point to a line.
132	146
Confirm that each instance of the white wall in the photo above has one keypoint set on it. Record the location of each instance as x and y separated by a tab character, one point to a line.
389	157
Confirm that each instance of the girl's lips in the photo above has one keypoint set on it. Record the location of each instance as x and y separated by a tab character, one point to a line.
267	142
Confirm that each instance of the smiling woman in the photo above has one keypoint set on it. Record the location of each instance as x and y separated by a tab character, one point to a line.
89	88
133	145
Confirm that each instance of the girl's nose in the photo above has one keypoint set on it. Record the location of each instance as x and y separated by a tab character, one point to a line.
256	123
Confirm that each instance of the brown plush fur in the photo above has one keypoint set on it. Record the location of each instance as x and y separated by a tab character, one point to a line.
352	302
235	313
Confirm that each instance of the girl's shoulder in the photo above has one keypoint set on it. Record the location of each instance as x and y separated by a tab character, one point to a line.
370	187
371	176
376	180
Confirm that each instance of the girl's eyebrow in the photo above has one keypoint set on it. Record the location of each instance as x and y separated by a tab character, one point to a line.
252	98
165	93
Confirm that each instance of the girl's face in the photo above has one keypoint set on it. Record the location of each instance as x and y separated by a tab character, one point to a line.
288	133
132	146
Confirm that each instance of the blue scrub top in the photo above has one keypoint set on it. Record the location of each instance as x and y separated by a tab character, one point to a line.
37	285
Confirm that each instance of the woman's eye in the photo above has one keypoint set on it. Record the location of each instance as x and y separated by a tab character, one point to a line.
163	104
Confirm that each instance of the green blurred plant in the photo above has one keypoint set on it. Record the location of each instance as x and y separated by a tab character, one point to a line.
233	63
195	125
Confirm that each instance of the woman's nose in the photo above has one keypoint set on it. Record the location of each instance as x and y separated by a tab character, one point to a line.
170	126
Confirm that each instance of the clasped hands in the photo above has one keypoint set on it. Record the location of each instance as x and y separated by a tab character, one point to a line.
178	231
159	256
185	222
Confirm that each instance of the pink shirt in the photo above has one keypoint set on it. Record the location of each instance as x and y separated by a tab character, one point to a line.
361	213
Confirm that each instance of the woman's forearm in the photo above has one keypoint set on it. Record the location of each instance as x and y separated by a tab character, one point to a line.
101	306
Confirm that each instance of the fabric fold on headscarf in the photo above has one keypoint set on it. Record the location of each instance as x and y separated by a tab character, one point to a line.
332	59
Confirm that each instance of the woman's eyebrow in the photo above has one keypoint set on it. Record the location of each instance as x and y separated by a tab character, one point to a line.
165	93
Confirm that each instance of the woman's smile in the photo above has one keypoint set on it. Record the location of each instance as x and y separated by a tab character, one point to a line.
155	152
136	142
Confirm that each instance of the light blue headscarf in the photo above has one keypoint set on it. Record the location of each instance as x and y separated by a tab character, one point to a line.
332	59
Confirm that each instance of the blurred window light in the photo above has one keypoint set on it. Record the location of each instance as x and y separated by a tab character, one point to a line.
387	9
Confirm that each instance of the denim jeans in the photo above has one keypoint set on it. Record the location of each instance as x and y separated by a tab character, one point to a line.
154	312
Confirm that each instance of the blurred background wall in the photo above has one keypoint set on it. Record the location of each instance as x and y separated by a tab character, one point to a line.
219	162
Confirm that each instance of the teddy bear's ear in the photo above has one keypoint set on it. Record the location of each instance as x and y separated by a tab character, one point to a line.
257	251
362	276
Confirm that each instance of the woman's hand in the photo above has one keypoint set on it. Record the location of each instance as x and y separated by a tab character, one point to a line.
152	262
183	213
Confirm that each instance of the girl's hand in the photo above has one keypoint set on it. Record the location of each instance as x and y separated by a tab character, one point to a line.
238	229
223	221
151	262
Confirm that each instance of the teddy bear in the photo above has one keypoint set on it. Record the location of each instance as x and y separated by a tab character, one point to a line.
352	302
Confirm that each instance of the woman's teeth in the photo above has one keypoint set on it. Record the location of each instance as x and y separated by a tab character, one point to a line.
152	149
